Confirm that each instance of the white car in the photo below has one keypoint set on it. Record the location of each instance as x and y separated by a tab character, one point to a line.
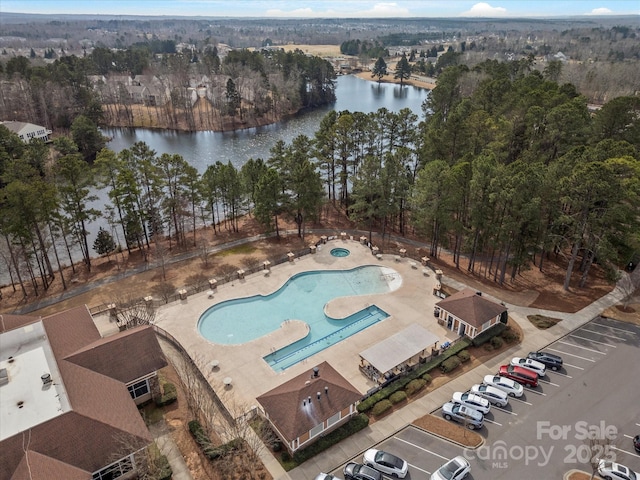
615	471
326	476
530	364
493	394
473	401
511	388
386	462
455	469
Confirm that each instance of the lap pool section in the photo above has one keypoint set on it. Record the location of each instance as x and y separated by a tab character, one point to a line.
303	297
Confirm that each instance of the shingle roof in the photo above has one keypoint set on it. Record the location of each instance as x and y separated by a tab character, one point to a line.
104	423
9	321
471	307
112	356
288	405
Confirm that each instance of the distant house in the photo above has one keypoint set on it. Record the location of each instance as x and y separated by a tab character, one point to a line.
68	397
28	131
310	405
469	313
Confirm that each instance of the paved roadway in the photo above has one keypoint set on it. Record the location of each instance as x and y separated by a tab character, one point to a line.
542	434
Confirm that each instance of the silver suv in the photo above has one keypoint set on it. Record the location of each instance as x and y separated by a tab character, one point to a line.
468	416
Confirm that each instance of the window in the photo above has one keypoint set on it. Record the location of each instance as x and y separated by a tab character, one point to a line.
115	470
333	419
316	430
139	389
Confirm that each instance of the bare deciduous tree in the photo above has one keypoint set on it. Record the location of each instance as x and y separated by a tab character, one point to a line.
131	311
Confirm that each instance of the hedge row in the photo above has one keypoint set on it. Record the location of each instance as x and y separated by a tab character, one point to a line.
203	441
450	364
357	423
418	372
484	337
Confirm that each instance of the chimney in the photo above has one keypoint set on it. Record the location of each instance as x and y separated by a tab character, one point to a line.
316	372
319	395
326	390
46	378
309	400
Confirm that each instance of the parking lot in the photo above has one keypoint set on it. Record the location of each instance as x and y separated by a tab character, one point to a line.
544	433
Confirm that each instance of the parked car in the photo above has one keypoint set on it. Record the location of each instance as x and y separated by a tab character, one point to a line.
513	389
470	400
636	443
386	463
493	394
468	416
326	476
521	375
615	471
549	360
357	471
530	364
455	469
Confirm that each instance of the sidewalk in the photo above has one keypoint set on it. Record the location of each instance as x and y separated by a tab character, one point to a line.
162	436
534	339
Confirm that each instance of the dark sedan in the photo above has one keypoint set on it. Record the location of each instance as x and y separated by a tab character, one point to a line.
549	360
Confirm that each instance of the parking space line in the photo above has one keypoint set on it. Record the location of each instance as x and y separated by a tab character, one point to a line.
572	366
603	334
572	355
580	346
638	424
418	468
492	421
421	448
536	392
562	374
548	382
503	410
521	401
628	436
593	341
622	450
614	328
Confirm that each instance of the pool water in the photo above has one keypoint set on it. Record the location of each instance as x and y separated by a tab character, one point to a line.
303	297
340	252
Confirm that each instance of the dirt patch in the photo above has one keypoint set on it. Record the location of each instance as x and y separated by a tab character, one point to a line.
577	475
454	433
541	322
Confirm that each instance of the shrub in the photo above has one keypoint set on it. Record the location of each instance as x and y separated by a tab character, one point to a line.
487	347
464	356
415	386
203	441
427	378
354	425
509	335
381	407
277	446
496	342
484	337
450	364
397	397
169	394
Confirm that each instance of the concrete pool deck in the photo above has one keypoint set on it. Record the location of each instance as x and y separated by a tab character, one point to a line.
241	374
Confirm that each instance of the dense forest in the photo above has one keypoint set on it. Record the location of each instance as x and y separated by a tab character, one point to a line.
506	168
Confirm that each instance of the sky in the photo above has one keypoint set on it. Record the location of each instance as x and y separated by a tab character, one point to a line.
327	8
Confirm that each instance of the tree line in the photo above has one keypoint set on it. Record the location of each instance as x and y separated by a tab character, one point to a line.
506	169
243	84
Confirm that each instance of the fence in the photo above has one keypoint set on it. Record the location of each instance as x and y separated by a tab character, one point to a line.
201	378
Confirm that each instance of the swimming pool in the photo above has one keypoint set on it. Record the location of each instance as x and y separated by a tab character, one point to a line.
302	297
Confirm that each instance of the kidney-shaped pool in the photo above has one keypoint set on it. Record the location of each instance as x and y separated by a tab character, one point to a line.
302	297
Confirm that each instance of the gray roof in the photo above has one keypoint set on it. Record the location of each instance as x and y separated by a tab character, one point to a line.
399	348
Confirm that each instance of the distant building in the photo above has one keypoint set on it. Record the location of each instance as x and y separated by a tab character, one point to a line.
68	397
27	131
